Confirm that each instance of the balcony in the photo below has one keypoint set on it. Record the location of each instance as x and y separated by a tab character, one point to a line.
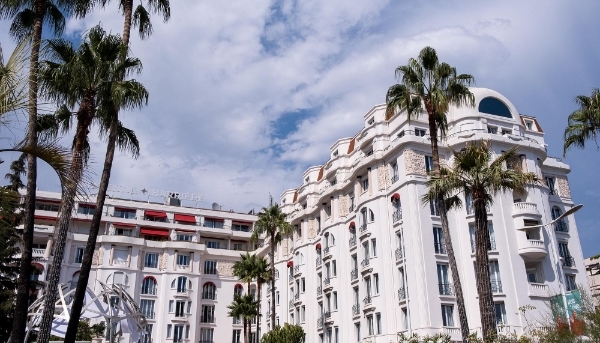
568	261
352	242
291	305
183	317
538	290
397	216
182	293
319	291
207	319
399	254
401	294
394	178
363	230
526	209
355	310
354	274
209	295
367	302
326	253
491	248
440	248
39	253
446	289
452	332
320	323
561	226
532	248
297	298
366	265
327	283
297	270
327	315
496	286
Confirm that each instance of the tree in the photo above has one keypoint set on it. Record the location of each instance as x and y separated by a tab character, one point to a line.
271	222
86	78
430	86
584	123
287	334
243	270
139	17
262	274
243	306
475	173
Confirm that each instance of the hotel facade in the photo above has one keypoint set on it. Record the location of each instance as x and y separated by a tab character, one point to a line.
367	259
176	262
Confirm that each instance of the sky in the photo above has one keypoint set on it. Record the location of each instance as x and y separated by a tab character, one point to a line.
245	95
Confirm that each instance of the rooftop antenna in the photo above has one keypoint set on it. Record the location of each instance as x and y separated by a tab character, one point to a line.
270	199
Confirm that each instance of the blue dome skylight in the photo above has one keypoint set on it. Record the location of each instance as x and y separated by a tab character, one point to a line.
495	107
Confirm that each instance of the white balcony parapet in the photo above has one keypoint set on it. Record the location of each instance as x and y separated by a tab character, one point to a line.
538	290
39	252
525	206
452	331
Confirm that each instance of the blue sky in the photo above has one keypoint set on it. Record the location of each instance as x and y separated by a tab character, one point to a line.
244	96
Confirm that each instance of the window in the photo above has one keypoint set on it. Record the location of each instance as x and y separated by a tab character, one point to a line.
210	267
213	223
299	230
438	241
123	232
433	208
335	302
277	298
405	318
303	285
183	260
529	125
206	334
238	246
443	279
570	281
428	164
79	255
36	272
238	289
376	279
364	184
371	332
374	247
171	306
240	227
563	251
182	284
357	331
447	315
213	245
493	130
302	313
550	184
351	207
366	250
209	291
146	334
394	171
420	132
179	308
237	336
149	286
495	277
178	334
208	314
169	329
368	285
124	213
184	238
371	216
500	312
334	268
378	319
86	209
495	107
151	260
120	256
371	121
47	207
337	334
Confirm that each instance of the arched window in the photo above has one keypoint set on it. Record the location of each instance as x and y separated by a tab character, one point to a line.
149	285
182	284
556	212
331	240
371	216
209	291
238	289
74	280
363	216
495	107
561	225
326	239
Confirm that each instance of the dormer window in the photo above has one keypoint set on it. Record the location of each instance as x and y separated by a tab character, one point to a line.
335	153
420	132
371	121
493	130
369	153
304	206
401	134
307	180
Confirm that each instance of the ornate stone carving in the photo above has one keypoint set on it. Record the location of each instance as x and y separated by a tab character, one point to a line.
312	228
343	205
225	268
284	247
564	191
97	257
414	162
162	261
383	177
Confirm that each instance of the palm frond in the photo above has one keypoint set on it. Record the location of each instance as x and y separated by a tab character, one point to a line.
141	20
13	95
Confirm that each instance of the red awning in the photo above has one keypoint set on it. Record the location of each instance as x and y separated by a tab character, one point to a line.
352	225
290	264
395	197
37	265
124	224
154	232
214	219
318	246
45	217
185	218
157	214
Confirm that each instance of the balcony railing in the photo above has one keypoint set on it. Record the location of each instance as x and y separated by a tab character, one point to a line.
352	241
395	178
367	300
291	305
319	290
327	315
399	254
401	293
38	252
397	215
276	274
365	262
297	296
327	281
568	261
319	261
326	250
440	248
296	269
207	319
209	295
492	245
355	309
561	226
363	228
320	322
354	274
446	289
496	286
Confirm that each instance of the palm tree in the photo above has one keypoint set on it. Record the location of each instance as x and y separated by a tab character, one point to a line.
584	123
244	271
86	78
262	274
474	173
271	222
139	17
243	306
29	19
428	85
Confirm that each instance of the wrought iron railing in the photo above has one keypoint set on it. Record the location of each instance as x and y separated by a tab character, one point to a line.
401	293
446	289
367	300
291	304
319	290
296	269
326	250
561	226
207	319
496	286
209	295
395	178
355	309
320	322
568	261
365	262
399	253
440	248
327	315
353	274
491	248
327	281
397	215
363	228
319	261
352	241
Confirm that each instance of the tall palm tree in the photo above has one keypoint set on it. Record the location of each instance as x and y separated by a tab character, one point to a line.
140	17
271	222
262	274
474	172
86	78
584	123
244	271
243	306
29	19
430	86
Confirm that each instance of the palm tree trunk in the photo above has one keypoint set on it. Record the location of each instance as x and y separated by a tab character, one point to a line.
86	263
22	298
272	261
441	206
245	330
258	286
484	286
84	119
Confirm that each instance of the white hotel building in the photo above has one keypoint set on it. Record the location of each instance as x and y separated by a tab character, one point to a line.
176	262
367	259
